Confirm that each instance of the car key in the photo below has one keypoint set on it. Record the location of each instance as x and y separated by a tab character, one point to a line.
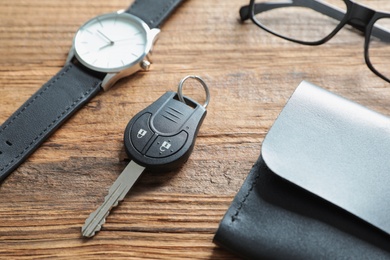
160	137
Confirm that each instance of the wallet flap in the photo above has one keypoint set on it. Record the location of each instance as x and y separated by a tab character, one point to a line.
336	149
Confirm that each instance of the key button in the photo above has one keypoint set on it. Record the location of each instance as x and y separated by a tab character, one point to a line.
141	133
165	146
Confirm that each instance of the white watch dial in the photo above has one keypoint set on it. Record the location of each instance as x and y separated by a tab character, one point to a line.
111	42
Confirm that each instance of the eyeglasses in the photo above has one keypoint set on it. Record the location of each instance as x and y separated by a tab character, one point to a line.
314	22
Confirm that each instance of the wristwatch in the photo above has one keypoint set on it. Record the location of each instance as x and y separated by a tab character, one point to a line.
104	50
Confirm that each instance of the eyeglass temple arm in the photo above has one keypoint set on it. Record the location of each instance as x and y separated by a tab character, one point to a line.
320	7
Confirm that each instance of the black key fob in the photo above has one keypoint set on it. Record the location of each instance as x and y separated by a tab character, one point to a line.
162	136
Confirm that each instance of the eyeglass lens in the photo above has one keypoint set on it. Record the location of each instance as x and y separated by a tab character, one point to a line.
308	22
297	20
379	48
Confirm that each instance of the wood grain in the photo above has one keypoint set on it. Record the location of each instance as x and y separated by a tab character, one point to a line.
251	75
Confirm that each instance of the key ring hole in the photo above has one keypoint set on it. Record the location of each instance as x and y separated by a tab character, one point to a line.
201	81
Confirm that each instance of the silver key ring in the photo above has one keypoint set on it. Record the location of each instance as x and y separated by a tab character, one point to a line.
206	88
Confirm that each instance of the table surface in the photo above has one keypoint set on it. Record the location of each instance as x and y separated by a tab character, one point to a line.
251	75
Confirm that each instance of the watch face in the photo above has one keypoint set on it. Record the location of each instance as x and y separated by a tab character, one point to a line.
111	42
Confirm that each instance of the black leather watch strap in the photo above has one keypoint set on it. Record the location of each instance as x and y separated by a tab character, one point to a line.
43	113
153	12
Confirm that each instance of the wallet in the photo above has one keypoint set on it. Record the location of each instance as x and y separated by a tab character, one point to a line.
320	188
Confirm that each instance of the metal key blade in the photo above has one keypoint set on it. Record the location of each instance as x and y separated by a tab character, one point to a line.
116	193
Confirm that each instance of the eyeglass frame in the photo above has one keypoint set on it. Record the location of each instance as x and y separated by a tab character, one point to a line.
358	16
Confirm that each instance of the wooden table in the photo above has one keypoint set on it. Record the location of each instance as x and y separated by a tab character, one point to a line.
251	75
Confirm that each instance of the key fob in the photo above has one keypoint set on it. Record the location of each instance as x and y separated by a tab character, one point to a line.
162	136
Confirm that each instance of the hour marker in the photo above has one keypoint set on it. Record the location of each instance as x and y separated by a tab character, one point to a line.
99	22
87	30
134	54
94	61
122	62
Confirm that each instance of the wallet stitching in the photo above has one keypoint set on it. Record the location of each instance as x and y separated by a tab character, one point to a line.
242	203
54	121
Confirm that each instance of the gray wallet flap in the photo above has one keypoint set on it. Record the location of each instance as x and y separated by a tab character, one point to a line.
336	149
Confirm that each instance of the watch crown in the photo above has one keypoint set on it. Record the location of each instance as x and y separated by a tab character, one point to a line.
145	65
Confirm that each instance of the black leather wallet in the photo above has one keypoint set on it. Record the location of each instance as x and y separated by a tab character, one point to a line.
319	189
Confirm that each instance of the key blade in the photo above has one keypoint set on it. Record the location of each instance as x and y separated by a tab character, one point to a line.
116	193
97	218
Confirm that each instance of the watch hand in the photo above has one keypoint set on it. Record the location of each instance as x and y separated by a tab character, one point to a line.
125	39
106	37
107	45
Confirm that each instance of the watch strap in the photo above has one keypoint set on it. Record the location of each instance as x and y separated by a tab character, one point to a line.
43	113
153	12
